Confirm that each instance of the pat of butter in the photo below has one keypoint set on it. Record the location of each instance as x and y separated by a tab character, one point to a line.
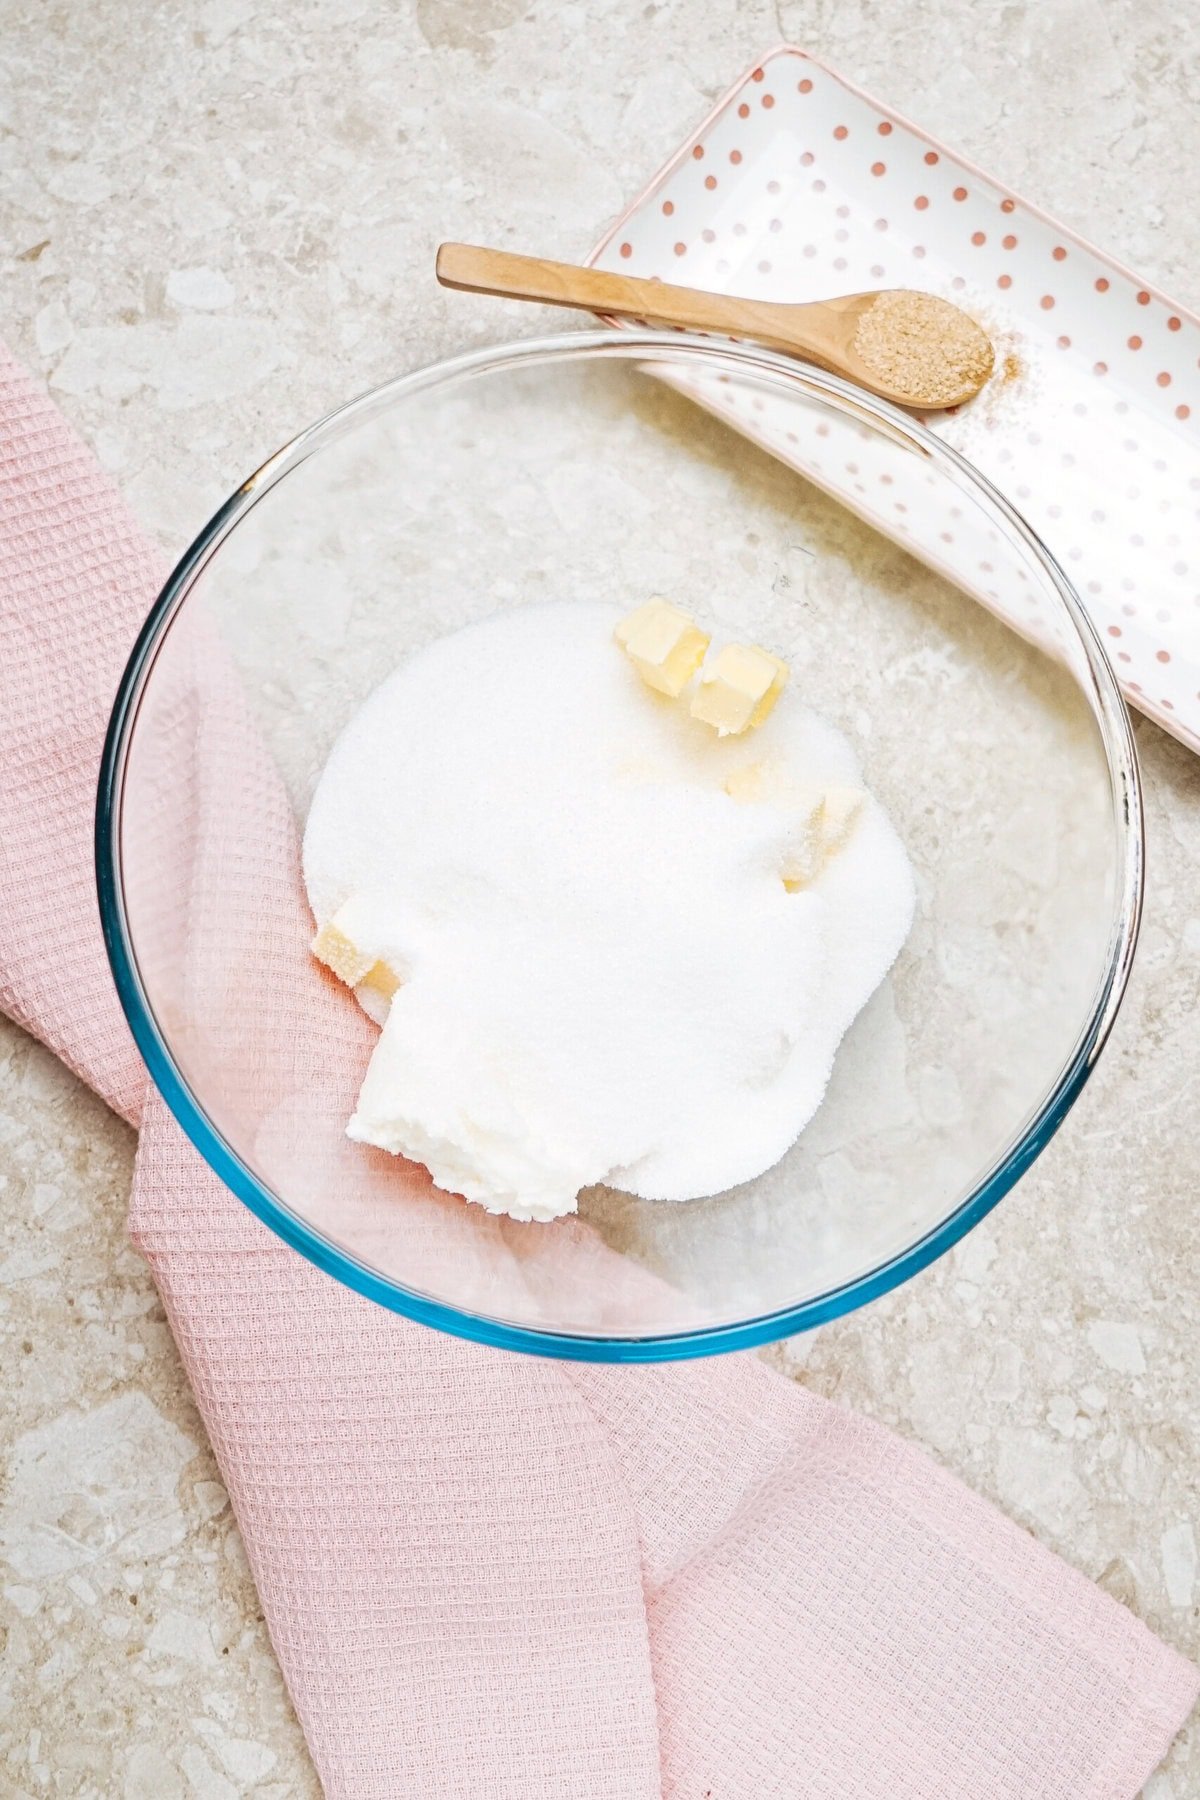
805	854
334	946
739	689
839	815
382	978
664	644
824	822
340	953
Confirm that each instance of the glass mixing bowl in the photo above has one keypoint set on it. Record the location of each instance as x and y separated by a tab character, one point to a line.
581	466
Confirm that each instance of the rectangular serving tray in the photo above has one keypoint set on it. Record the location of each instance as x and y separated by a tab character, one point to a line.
799	185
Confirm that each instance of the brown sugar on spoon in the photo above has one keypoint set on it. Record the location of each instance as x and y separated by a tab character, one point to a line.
921	344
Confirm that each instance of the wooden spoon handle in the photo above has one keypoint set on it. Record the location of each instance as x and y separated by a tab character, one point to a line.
501	272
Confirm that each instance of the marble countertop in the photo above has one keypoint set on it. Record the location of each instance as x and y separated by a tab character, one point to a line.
217	222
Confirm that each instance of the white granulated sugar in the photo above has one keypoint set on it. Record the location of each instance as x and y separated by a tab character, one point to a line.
604	977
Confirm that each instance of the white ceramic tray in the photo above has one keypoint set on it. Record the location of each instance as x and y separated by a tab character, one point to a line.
799	185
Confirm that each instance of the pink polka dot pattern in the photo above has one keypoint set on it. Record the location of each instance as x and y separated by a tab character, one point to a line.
1107	368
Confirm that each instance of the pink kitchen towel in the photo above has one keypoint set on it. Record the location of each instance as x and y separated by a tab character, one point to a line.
490	1575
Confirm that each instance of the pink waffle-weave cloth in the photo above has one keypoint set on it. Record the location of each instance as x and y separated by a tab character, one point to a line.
490	1575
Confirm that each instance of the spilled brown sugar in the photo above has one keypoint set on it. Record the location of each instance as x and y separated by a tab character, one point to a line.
923	347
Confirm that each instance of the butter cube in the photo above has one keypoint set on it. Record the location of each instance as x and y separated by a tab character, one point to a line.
739	689
839	815
339	952
383	979
641	615
334	945
805	855
664	644
824	823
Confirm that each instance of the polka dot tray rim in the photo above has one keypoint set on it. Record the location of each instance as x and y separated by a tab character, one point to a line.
799	184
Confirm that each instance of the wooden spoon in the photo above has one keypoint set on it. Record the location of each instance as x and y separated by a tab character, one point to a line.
909	347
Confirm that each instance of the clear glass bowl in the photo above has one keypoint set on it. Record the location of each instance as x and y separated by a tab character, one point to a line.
581	466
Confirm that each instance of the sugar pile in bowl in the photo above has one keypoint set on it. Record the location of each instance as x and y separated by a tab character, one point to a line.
593	969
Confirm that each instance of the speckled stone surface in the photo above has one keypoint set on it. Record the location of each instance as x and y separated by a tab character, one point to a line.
217	221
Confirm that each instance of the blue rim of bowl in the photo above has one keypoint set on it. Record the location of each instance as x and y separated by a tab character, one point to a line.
1027	1142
